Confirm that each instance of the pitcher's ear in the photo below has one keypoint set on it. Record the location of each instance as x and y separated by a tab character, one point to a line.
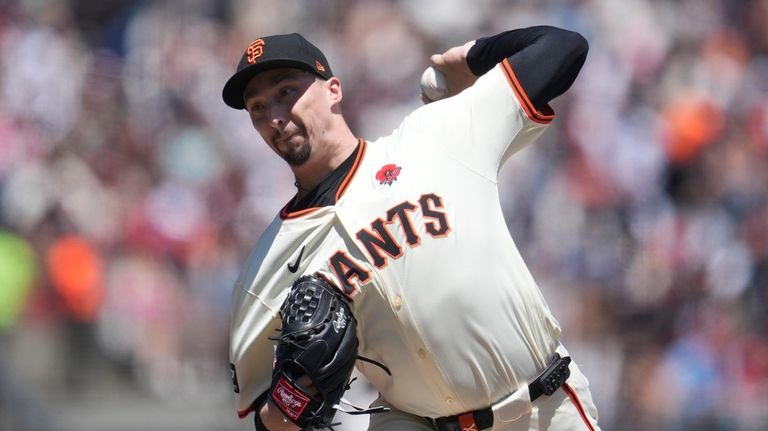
334	89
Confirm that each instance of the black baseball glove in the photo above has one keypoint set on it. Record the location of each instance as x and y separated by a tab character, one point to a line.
318	339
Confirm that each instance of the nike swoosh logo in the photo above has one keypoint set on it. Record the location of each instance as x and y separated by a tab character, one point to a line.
295	266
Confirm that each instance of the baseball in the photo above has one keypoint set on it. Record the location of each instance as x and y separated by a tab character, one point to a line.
433	84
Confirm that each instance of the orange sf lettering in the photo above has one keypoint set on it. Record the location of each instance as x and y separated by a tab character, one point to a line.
255	50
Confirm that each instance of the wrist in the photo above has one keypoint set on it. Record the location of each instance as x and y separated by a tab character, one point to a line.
270	418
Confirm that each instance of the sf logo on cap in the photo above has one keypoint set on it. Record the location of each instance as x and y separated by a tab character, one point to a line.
255	49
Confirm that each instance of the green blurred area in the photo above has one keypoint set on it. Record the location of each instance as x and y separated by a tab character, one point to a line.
18	273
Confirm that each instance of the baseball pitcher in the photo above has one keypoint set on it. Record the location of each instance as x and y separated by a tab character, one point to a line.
394	256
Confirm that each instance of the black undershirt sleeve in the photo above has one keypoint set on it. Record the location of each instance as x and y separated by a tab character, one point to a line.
546	60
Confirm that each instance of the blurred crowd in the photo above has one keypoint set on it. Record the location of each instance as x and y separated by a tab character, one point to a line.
130	194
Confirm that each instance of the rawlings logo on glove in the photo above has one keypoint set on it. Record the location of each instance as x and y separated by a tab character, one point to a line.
290	401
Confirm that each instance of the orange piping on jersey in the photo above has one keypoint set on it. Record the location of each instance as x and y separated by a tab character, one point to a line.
284	214
243	413
530	110
575	400
352	171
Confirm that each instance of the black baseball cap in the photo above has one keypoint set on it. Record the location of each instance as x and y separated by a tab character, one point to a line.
281	50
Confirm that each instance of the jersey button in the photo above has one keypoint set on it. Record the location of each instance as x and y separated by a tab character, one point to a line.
422	353
398	302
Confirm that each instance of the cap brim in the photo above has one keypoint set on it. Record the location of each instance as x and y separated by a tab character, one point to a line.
235	86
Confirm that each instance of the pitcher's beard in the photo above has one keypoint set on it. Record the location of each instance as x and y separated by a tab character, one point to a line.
298	155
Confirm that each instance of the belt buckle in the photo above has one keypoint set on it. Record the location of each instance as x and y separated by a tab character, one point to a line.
555	375
432	422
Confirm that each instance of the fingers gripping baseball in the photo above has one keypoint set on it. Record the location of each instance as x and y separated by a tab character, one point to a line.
453	66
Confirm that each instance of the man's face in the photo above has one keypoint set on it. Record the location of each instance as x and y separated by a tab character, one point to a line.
289	108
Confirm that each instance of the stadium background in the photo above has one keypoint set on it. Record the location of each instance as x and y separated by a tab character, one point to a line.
129	195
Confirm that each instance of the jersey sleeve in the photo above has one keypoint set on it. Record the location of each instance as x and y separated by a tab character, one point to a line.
484	125
254	320
256	300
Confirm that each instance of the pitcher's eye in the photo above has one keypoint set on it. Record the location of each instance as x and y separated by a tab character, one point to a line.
256	108
287	91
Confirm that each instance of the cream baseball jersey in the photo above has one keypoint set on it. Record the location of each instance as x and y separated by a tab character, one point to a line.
418	242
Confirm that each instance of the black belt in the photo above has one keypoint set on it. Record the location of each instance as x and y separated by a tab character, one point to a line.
546	383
